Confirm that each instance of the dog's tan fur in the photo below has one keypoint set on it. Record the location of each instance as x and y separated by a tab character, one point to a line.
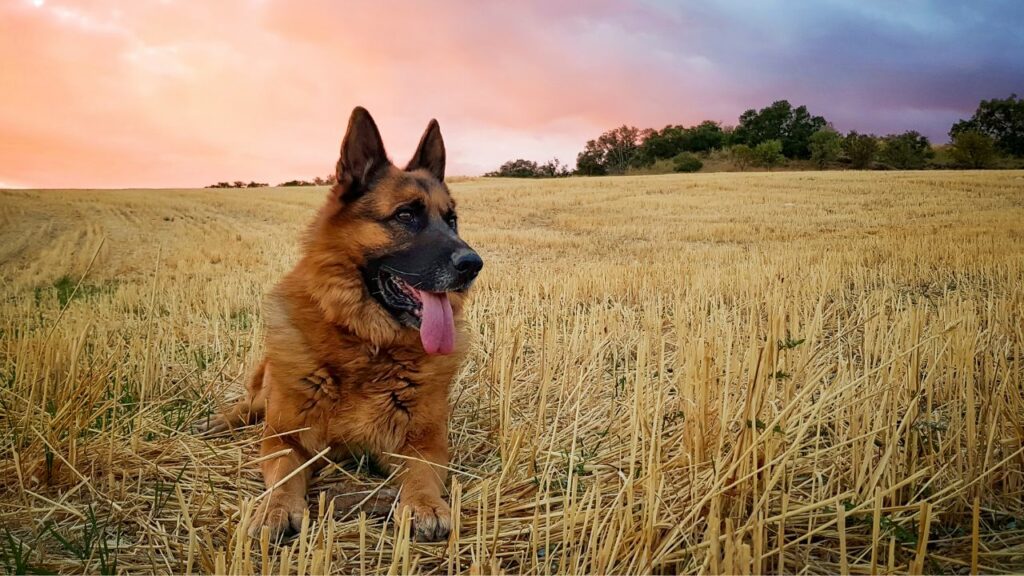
340	372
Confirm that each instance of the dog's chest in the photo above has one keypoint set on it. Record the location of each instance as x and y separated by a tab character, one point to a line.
376	403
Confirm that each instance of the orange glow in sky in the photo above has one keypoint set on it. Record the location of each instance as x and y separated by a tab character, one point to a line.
161	93
150	93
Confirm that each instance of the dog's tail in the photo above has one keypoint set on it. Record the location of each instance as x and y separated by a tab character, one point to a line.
249	409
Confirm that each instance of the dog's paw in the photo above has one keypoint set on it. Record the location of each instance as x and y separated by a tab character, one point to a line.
431	519
210	425
283	520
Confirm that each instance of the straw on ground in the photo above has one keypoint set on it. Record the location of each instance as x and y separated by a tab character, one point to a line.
726	373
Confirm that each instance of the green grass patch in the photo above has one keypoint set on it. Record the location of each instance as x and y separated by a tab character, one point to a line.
64	289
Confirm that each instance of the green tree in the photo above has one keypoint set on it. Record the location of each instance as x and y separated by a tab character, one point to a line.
742	156
686	162
590	162
793	127
907	151
611	153
769	154
973	149
861	149
659	144
517	168
703	137
553	169
671	140
826	144
520	168
1000	119
619	147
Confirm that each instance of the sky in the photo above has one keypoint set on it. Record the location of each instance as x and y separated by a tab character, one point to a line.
176	93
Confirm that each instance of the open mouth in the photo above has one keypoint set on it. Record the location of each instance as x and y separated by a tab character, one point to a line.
430	312
399	296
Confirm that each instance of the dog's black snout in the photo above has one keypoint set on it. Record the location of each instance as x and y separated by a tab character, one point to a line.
467	262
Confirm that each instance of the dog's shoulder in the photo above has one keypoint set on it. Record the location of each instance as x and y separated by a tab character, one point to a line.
291	331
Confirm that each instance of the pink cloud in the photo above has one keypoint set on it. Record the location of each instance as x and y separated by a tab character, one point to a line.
180	94
185	93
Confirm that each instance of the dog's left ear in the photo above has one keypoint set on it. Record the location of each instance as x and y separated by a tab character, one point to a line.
430	153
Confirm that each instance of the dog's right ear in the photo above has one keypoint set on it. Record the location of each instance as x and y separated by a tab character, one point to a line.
362	156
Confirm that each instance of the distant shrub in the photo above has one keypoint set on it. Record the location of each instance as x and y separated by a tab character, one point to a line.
520	168
237	184
742	156
769	154
553	169
826	144
973	149
686	162
663	166
860	149
907	151
253	184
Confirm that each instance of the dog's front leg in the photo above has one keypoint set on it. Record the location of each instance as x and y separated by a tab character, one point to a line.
425	471
281	511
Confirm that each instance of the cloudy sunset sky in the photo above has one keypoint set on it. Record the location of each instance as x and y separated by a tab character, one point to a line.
150	93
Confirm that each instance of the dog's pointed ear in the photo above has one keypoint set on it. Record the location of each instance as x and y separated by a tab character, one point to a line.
362	156
430	154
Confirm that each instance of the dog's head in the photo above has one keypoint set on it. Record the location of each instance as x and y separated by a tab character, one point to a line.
399	229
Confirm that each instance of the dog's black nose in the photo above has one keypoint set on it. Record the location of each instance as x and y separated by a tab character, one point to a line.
467	262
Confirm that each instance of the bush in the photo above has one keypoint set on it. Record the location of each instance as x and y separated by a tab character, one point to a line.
973	149
742	156
825	147
942	159
238	184
517	168
861	149
553	169
686	162
663	166
520	168
769	154
907	151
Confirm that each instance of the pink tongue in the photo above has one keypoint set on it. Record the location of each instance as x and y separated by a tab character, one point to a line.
437	326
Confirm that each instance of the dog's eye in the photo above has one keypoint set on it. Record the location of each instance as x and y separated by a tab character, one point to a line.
452	220
405	215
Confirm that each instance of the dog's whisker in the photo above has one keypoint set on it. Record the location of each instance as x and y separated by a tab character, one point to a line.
387	268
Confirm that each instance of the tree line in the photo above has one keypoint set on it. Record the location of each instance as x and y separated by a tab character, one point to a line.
782	134
318	181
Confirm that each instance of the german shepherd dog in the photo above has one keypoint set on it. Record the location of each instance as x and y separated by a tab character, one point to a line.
364	335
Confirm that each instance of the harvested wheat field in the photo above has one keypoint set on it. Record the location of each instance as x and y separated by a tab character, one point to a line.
716	373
